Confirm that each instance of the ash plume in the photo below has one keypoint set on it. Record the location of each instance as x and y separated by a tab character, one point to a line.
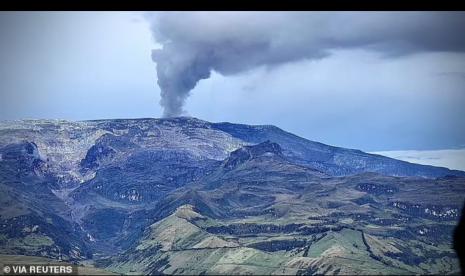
196	43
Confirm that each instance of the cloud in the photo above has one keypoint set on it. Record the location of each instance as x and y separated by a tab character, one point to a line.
455	75
450	158
196	43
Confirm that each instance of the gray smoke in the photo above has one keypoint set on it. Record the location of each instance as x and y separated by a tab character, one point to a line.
195	43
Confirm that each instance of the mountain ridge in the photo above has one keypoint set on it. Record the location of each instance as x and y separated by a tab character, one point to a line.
334	160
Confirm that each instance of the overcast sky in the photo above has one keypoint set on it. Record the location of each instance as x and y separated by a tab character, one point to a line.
376	82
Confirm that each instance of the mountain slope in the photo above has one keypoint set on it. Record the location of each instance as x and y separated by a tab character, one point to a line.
34	221
177	245
300	221
332	160
180	195
75	149
187	242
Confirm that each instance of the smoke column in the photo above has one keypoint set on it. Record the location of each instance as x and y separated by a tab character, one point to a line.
196	43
